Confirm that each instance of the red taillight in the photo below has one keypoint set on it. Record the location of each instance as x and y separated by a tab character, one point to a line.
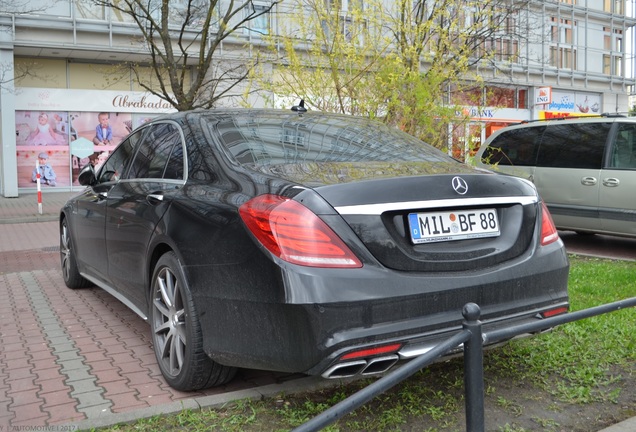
553	312
549	232
293	233
369	352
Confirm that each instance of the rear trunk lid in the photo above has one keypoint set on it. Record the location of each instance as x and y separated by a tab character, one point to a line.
439	223
385	203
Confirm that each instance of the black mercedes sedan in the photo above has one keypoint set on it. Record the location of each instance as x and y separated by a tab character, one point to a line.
304	242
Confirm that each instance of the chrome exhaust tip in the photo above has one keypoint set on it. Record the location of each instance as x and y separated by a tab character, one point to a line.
345	370
372	366
380	365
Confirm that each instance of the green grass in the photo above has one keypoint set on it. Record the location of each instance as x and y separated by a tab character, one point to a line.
587	363
583	372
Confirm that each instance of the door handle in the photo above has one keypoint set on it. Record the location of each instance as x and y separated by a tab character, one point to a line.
154	198
611	182
589	181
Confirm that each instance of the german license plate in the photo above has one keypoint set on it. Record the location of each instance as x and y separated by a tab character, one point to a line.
453	225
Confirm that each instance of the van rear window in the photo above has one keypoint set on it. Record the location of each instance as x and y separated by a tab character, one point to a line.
514	147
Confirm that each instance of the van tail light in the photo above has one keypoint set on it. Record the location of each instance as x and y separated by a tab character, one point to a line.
555	312
549	232
292	232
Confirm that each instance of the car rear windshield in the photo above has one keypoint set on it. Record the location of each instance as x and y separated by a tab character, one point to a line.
264	138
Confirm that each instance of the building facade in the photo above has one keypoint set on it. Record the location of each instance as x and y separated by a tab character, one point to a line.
576	59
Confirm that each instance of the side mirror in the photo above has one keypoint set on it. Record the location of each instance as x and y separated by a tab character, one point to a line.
87	175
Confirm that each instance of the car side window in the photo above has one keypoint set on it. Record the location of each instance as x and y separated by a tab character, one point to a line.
174	167
574	145
156	151
514	147
115	166
623	153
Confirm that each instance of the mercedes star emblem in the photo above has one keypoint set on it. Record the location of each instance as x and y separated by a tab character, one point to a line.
460	185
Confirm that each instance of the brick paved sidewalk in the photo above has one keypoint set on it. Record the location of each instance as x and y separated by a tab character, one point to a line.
80	357
24	208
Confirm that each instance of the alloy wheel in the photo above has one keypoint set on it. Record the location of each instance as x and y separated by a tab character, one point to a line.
65	252
169	321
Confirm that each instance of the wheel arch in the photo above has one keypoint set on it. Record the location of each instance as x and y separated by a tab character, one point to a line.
158	251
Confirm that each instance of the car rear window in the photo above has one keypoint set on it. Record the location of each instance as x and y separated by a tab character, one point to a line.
264	139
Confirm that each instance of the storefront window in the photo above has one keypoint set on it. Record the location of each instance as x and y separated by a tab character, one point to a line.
467	97
67	141
501	97
466	140
496	97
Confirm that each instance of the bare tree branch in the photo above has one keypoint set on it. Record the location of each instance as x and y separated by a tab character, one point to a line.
183	40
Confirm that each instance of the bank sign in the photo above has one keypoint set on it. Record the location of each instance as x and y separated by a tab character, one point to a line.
45	99
542	95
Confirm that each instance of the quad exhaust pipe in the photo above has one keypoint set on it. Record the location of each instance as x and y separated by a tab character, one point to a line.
372	366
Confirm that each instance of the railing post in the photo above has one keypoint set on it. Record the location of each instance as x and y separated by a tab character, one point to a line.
474	369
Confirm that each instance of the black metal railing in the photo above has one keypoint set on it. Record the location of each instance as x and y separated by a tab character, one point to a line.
473	339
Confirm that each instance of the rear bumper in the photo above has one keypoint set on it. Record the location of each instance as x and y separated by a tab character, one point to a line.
324	314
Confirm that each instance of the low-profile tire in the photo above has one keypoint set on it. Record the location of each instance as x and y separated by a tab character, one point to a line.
176	332
70	273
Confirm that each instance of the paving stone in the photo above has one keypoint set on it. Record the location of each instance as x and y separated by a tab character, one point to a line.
79	375
52	385
56	398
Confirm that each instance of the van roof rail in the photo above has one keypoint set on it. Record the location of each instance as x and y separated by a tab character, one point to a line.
616	114
601	115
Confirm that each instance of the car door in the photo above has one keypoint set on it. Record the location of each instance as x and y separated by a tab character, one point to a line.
568	173
138	203
91	208
618	182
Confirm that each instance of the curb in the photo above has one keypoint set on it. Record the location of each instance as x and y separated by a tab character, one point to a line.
29	219
215	401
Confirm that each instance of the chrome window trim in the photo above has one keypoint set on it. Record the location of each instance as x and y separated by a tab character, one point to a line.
184	147
378	209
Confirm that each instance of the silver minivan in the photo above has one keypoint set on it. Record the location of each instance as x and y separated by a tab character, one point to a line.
584	169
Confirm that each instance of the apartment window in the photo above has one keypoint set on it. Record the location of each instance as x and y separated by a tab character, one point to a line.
619	7
87	9
613	58
343	5
613	39
192	13
617	62
614	6
260	24
563	31
613	64
511	25
607	64
501	49
346	19
562	57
